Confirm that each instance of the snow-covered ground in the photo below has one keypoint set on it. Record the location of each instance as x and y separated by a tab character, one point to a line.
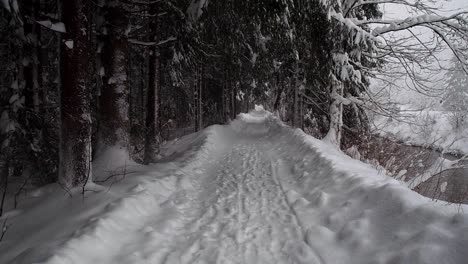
253	191
433	128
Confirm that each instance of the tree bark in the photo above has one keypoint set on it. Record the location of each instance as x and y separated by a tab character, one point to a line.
36	58
233	101
295	106
301	111
279	89
336	114
152	139
200	100
75	143
114	106
28	60
5	173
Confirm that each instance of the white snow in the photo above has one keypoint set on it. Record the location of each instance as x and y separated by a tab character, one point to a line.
69	44
6	5
424	128
6	124
117	78
253	191
58	27
195	10
443	187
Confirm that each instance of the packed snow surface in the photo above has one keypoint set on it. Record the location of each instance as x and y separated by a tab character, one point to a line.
253	191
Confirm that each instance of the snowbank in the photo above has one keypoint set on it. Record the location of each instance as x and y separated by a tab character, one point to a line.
353	214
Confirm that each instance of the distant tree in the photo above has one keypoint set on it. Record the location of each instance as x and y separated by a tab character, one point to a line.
456	94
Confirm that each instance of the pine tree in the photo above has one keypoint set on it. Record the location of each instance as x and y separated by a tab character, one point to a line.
455	99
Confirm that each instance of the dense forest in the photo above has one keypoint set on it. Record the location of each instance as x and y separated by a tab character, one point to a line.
80	77
234	131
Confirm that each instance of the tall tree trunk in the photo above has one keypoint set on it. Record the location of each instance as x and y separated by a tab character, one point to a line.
233	100
36	58
32	63
301	111
279	89
5	173
114	106
226	96
295	103
152	139
75	143
336	114
223	99
153	135
28	60
200	100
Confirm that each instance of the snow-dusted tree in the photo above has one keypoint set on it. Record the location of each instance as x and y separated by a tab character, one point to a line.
368	40
456	94
75	145
114	106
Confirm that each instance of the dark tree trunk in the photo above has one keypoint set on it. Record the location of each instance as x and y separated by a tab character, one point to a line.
280	88
200	100
233	101
301	111
32	51
4	183
28	61
226	96
75	144
195	102
294	115
114	100
36	58
152	137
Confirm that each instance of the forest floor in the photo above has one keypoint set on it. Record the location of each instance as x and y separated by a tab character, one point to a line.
253	191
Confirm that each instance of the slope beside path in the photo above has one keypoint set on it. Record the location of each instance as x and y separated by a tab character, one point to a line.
256	191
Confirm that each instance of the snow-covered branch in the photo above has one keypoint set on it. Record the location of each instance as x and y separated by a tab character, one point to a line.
57	27
350	5
151	43
421	20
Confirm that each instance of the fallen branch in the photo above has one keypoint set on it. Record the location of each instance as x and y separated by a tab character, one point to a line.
20	190
115	175
4	229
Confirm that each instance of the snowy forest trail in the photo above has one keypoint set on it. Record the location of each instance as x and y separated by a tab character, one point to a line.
257	191
241	215
236	210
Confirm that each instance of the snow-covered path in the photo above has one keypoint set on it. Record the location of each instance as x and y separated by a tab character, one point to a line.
241	214
235	210
256	191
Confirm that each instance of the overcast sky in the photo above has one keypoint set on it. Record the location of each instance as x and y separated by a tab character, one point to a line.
392	11
446	7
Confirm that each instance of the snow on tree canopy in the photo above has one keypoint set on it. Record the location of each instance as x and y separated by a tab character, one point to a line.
6	4
195	10
58	27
